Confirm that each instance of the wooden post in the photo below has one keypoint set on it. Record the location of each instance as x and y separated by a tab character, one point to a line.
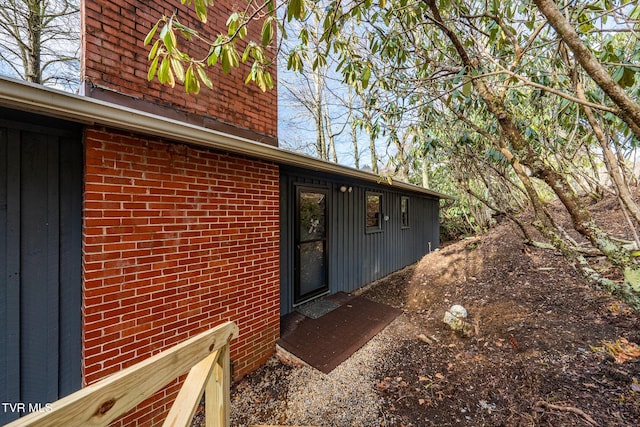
100	403
188	399
217	409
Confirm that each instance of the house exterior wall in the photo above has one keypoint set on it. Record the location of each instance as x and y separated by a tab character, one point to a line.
176	239
356	257
115	64
40	252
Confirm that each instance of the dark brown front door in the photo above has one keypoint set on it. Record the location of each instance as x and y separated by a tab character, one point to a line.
311	243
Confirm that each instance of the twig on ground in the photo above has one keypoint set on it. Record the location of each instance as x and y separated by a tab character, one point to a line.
572	409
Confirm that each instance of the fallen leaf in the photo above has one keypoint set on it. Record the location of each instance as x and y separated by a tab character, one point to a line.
621	350
439	376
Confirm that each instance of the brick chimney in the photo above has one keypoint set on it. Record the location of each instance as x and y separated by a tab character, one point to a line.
115	64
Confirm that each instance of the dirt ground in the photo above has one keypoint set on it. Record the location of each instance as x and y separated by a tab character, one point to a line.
542	348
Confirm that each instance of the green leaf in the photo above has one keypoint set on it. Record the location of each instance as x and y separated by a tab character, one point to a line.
617	74
267	32
271	7
295	9
466	88
214	53
294	62
232	23
232	18
154	50
268	80
260	80
366	74
632	277
165	75
151	33
192	85
163	32
171	81
204	77
153	68
188	79
226	63
212	59
187	32
245	55
201	10
625	76
169	38
163	72
229	58
235	60
178	69
258	54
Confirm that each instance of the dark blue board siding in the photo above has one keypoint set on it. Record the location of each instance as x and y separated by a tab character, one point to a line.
356	257
40	259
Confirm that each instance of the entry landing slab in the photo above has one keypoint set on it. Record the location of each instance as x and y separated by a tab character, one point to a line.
330	339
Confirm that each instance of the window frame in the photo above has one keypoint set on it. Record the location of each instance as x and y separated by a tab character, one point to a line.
405	217
379	215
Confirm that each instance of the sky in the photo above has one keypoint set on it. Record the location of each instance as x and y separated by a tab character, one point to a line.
296	128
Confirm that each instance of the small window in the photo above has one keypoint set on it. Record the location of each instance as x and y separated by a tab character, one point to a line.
404	211
374	212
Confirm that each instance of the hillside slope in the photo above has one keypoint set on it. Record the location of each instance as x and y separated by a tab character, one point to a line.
543	348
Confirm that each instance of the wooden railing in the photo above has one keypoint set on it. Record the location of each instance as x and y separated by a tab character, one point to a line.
205	356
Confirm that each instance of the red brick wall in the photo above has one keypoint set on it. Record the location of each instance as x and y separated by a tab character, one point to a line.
176	239
114	58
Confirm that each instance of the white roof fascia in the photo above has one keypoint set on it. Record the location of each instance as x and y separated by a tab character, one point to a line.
34	98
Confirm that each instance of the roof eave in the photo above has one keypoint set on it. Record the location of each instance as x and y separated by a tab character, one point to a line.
51	102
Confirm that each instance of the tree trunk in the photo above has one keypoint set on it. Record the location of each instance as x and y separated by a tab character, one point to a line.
374	155
424	168
402	168
354	142
321	143
580	216
610	160
331	150
629	109
33	72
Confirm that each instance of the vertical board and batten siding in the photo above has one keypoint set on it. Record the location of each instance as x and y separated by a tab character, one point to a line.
40	254
355	256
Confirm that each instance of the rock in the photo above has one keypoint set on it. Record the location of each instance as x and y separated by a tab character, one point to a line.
455	318
424	338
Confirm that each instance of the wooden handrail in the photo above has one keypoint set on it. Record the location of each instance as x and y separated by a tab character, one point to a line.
205	355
